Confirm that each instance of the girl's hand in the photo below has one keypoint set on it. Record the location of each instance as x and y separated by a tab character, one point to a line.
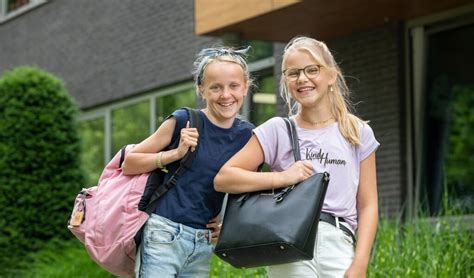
355	272
188	139
298	172
215	226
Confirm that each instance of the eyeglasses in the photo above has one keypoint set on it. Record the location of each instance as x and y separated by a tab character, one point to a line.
311	71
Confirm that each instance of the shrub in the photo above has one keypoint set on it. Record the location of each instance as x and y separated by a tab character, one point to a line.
39	161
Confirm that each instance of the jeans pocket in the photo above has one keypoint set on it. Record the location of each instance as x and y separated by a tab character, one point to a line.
347	239
166	235
158	231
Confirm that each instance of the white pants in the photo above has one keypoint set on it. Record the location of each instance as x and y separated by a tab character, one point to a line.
333	254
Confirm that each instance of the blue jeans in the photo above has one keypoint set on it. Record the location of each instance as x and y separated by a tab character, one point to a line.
170	249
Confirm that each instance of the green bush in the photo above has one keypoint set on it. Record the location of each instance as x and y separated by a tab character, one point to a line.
39	161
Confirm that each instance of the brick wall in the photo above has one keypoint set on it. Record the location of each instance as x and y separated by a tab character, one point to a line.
106	50
372	62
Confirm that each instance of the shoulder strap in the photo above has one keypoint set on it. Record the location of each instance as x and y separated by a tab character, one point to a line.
186	162
122	156
195	120
290	126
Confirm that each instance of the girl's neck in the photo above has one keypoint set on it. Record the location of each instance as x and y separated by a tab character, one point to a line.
314	118
224	123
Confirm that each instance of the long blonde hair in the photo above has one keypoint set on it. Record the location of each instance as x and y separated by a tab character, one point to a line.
339	95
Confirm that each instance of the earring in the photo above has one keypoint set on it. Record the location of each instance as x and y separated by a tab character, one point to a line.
331	89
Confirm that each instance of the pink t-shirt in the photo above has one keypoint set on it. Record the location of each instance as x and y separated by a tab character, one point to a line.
328	151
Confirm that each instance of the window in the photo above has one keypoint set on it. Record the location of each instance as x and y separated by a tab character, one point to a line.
12	8
13	5
165	105
106	129
130	125
260	49
263	100
92	135
443	121
459	160
447	148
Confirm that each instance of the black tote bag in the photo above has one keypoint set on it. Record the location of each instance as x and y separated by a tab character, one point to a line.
273	227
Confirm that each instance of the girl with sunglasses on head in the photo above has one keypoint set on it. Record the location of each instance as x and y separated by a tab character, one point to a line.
331	139
177	237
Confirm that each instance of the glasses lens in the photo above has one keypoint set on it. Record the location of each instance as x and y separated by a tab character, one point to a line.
292	74
311	71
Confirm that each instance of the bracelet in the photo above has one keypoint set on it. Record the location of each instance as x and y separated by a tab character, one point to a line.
159	165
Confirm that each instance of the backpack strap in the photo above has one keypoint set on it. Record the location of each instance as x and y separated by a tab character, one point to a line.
195	120
186	162
122	156
290	126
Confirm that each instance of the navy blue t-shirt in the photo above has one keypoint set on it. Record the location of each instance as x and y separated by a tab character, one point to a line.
193	201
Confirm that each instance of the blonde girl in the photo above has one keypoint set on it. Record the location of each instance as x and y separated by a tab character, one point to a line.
331	139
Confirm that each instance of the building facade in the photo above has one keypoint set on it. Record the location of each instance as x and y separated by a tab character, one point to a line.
128	64
406	63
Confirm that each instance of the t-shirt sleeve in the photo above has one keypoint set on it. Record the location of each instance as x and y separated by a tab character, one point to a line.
368	142
181	117
267	135
245	130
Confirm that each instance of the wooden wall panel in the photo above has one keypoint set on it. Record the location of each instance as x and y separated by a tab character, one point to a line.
214	14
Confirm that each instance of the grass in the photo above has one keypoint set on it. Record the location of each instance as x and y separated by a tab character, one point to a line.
58	260
222	269
69	259
423	248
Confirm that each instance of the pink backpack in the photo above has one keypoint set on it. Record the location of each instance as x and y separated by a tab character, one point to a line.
108	218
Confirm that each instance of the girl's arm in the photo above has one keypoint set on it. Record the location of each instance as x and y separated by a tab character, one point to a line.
238	174
143	157
367	211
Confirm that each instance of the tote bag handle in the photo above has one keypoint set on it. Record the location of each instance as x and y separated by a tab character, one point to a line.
290	125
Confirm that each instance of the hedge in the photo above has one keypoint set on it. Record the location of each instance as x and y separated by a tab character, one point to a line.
40	168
